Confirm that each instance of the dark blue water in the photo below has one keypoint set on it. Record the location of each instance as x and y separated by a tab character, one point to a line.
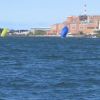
40	68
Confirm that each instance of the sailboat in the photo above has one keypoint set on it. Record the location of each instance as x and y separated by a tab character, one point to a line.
64	31
4	32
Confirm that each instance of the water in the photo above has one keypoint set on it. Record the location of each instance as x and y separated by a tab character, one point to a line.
40	68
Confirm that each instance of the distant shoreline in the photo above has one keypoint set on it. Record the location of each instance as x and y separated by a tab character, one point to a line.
72	36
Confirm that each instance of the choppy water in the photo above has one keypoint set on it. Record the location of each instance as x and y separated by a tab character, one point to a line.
39	68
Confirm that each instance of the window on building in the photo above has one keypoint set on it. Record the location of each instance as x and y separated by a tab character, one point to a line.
90	27
73	28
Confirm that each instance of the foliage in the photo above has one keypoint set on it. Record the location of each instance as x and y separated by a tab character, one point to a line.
1	30
40	32
81	33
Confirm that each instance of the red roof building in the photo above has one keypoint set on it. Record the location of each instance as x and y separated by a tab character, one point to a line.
77	24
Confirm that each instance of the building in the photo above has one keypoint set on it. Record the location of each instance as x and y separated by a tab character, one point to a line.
19	32
55	29
78	25
39	31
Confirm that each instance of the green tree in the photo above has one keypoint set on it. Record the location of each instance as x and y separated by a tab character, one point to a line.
40	32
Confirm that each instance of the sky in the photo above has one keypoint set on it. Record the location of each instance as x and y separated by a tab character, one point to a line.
26	14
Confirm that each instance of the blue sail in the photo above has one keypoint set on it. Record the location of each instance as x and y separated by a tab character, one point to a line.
64	31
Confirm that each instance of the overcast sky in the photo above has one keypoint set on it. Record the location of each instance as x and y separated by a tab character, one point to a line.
18	14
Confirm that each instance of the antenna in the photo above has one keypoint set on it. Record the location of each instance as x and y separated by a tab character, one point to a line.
84	17
85	7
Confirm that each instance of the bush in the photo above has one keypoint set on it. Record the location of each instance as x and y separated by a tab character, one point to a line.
40	32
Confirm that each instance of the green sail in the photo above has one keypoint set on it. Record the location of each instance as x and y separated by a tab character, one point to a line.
4	32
